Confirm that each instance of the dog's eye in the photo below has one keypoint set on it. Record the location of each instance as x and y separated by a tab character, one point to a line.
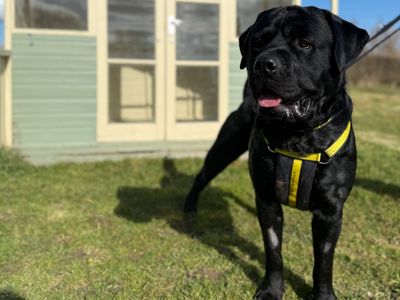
304	44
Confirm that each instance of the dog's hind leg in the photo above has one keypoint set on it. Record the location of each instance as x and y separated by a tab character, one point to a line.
231	142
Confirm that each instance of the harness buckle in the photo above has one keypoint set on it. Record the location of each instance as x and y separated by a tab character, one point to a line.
270	150
325	162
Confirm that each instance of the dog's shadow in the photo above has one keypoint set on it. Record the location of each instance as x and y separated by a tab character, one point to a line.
10	295
379	187
213	226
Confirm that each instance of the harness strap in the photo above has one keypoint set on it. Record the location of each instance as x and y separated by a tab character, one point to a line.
294	179
294	173
330	151
335	147
294	182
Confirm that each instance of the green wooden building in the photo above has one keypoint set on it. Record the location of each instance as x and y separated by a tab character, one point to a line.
84	79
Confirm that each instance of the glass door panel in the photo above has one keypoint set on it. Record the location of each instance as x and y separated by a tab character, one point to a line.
196	93
131	57
163	70
197	35
131	70
131	29
197	39
195	60
131	93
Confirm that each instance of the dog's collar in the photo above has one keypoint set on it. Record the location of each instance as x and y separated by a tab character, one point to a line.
316	157
323	124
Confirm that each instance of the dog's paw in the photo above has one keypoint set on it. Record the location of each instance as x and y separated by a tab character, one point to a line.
270	293
190	206
189	209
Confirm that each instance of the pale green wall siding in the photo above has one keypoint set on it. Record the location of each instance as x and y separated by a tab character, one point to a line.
237	77
54	90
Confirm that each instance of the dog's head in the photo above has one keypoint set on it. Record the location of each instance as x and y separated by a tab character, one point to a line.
296	58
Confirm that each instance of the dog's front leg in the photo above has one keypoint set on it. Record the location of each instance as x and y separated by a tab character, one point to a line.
270	217
326	230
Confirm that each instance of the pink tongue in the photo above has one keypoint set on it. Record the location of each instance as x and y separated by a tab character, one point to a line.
268	102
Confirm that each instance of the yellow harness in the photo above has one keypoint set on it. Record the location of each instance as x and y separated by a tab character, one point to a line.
288	183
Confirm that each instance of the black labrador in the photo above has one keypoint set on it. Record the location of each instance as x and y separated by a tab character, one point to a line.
295	110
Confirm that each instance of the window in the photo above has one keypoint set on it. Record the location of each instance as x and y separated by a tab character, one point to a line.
248	10
51	14
131	27
132	82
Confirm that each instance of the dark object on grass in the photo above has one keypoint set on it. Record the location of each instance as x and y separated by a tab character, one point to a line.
9	295
295	103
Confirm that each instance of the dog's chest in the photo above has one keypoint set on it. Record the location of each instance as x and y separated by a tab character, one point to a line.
291	175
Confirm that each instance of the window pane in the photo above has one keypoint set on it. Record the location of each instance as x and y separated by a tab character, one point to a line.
51	14
131	27
248	10
197	94
131	96
198	34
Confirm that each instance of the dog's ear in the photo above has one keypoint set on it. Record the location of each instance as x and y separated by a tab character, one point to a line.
349	40
244	46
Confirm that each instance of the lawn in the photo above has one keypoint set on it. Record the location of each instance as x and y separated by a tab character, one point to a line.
114	230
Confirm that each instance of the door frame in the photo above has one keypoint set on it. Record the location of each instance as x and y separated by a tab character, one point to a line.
138	131
164	128
202	130
6	126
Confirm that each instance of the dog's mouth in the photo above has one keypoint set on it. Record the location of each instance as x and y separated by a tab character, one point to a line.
269	99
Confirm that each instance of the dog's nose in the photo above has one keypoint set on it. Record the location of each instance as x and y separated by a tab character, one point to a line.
267	65
271	65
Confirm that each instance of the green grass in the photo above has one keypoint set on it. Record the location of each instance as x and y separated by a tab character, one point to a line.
114	230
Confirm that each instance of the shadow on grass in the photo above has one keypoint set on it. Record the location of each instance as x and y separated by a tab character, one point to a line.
213	226
379	187
9	295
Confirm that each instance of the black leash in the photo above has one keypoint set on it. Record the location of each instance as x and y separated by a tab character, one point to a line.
379	33
376	45
385	28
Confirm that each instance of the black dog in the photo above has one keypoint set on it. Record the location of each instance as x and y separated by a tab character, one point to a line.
296	122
